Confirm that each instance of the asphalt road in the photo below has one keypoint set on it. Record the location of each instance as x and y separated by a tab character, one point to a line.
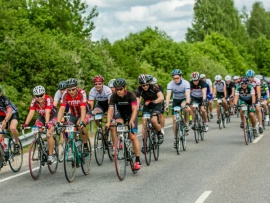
219	169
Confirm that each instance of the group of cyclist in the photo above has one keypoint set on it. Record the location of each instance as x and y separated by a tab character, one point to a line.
122	105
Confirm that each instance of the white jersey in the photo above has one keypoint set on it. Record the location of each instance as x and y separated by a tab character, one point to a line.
103	96
178	90
58	95
208	82
220	86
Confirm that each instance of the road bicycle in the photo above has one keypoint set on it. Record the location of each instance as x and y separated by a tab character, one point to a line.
150	140
73	153
103	141
123	153
198	126
38	152
247	127
7	154
263	116
207	110
222	121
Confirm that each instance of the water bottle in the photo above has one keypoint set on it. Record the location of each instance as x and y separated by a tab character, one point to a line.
6	140
79	145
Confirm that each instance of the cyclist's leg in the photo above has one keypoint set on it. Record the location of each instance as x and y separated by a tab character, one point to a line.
98	109
50	139
259	116
210	104
176	102
13	127
136	145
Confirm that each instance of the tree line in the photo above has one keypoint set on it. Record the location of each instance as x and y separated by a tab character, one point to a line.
45	41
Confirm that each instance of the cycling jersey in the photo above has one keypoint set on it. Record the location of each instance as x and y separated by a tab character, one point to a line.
58	95
256	82
75	102
40	108
178	90
264	88
220	86
196	90
245	94
229	88
5	104
102	97
150	94
208	85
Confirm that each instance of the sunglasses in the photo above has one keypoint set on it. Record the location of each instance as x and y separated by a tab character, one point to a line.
37	96
218	80
144	85
98	84
176	78
251	77
71	90
119	89
195	80
244	83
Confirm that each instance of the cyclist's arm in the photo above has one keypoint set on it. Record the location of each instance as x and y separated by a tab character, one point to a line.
204	92
138	102
134	113
91	103
236	99
233	89
225	91
109	115
159	99
55	102
258	88
187	93
47	115
83	113
211	88
29	116
168	97
214	91
8	114
60	113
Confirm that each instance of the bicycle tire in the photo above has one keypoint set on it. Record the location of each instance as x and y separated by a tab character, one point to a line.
86	161
147	145
99	147
207	112
201	127
35	159
132	159
61	139
177	138
250	133
155	146
15	160
110	146
245	131
196	128
53	167
70	162
263	119
223	120
120	159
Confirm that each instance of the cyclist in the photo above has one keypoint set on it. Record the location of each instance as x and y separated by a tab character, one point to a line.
47	114
181	96
246	95
101	93
198	95
9	114
264	96
79	114
236	80
209	92
256	84
123	108
110	85
61	89
220	93
153	99
154	81
230	88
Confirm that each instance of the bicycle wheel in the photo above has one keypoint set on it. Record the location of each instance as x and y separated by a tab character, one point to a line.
245	131
177	138
201	128
61	140
223	119
35	159
250	133
147	147
196	129
15	160
263	118
70	163
86	161
53	167
110	146
120	158
132	160
183	139
99	147
207	112
155	146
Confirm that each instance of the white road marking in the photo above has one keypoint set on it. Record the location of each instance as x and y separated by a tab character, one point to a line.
257	139
11	177
203	197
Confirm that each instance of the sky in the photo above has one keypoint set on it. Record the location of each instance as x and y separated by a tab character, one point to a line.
118	18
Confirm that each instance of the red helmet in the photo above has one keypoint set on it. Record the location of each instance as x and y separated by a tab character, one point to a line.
98	78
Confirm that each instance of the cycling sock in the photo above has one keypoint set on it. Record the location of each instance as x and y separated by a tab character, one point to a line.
138	159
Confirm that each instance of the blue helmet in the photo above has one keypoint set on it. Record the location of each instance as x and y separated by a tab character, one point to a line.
250	73
245	80
176	72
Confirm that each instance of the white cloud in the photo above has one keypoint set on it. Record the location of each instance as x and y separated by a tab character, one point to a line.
118	18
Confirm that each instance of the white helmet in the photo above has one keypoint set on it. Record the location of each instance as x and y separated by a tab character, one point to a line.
218	77
228	78
110	83
235	77
202	76
38	90
260	77
154	81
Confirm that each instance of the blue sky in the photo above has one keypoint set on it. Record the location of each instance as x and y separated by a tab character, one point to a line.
118	18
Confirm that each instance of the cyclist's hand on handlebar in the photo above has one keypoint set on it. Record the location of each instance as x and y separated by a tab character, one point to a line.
166	109
147	102
56	124
48	125
132	124
82	124
23	126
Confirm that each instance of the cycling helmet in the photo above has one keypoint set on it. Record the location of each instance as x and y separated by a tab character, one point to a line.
228	78
150	77
38	90
71	82
267	79
143	78
62	85
260	77
218	77
236	77
176	72
110	83
98	78
250	73
244	81
202	76
195	76
154	81
119	82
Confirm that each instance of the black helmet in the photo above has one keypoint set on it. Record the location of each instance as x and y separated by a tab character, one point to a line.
119	82
143	79
71	82
62	85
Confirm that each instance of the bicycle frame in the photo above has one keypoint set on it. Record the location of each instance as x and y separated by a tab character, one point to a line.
247	127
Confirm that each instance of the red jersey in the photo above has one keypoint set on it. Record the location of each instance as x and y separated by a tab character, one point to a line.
75	102
40	109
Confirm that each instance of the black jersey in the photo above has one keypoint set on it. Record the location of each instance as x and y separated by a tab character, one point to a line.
5	103
150	94
196	90
229	88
